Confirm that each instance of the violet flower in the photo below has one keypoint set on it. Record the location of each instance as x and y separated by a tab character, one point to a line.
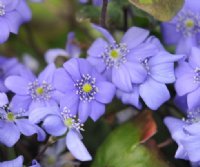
85	90
18	162
12	15
8	67
71	50
32	92
159	71
188	79
114	60
184	29
94	2
15	123
59	123
186	133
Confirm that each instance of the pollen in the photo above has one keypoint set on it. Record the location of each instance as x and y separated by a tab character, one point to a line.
87	88
114	53
69	122
39	91
189	23
10	116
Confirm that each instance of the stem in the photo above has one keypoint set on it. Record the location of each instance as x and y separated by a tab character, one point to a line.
125	11
165	143
104	13
50	141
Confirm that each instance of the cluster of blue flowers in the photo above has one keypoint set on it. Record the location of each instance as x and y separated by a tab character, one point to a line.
136	69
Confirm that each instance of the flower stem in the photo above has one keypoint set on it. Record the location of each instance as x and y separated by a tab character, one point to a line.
104	13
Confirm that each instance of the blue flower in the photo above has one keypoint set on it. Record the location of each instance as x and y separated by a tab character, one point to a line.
13	123
33	92
8	67
188	79
59	123
95	2
85	90
186	134
114	60
12	15
184	29
70	51
159	71
18	162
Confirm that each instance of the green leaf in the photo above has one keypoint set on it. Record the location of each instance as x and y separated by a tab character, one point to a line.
124	146
163	10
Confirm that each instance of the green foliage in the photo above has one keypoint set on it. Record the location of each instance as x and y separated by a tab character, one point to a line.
124	148
161	10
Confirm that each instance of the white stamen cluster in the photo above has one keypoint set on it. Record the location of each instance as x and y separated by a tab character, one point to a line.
40	91
71	121
83	95
2	9
192	117
188	23
115	61
197	74
145	64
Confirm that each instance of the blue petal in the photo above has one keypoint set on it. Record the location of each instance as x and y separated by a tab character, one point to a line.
63	81
4	31
97	110
76	147
47	74
35	164
130	98
194	59
72	67
39	114
105	33
193	99
170	34
84	110
106	92
18	162
185	84
121	78
163	73
17	85
154	93
72	49
9	134
134	36
54	125
3	99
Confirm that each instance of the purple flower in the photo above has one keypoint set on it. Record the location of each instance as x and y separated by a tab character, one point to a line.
12	14
186	134
86	91
32	92
70	51
8	67
188	79
58	123
18	162
95	2
184	29
159	71
15	123
114	60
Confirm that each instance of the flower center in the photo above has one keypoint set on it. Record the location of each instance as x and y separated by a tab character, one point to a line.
86	88
40	91
70	120
10	116
115	55
188	23
2	9
197	74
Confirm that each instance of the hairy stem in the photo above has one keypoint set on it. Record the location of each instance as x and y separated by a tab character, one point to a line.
104	13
